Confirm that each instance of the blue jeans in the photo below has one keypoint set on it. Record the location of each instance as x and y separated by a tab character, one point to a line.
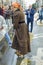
8	39
30	21
41	18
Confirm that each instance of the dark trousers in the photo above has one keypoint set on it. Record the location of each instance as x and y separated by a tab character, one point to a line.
30	21
41	18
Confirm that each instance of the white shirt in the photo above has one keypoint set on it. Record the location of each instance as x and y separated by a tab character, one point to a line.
3	23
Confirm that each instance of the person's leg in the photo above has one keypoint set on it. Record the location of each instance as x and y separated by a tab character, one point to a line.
31	26
40	19
28	24
8	39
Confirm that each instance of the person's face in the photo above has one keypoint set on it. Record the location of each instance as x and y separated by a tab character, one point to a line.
30	6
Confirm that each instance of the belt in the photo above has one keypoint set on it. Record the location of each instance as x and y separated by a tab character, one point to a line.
21	22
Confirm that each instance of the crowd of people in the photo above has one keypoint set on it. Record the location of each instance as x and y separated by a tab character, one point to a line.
21	40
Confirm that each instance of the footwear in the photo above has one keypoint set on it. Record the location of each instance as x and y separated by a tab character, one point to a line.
19	54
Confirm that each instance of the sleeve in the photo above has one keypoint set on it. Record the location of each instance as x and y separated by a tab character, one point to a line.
4	23
26	12
32	11
16	20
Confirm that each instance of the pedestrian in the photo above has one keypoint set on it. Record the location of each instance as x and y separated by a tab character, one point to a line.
21	40
3	28
41	14
7	16
30	17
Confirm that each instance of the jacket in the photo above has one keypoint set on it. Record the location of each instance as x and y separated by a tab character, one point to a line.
21	41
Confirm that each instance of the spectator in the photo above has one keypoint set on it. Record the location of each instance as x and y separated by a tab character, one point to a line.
41	14
8	16
30	17
3	29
